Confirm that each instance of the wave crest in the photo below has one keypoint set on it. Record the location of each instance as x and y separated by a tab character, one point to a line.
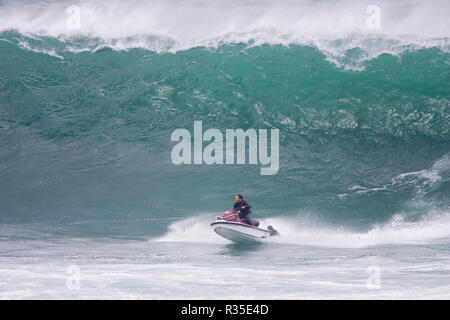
338	30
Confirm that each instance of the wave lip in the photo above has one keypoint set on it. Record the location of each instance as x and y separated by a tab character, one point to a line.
171	26
198	20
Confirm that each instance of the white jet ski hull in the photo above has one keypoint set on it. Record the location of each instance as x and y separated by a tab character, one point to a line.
239	232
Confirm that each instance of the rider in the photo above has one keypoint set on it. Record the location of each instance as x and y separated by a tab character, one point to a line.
243	208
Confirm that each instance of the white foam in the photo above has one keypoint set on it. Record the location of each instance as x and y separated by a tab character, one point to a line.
332	27
195	20
398	230
26	45
193	229
421	179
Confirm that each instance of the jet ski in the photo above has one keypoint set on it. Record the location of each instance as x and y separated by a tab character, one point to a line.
229	226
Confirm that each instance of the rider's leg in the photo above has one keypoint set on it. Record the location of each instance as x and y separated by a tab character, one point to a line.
247	218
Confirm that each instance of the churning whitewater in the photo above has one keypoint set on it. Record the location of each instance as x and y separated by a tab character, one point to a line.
91	92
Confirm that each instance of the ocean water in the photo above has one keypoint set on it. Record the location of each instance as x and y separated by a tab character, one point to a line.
89	194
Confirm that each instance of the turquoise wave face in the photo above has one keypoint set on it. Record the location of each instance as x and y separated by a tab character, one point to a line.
85	137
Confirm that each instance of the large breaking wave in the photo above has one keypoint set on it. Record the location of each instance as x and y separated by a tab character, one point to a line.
86	114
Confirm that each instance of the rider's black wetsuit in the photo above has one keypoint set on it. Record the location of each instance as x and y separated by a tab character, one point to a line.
244	214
